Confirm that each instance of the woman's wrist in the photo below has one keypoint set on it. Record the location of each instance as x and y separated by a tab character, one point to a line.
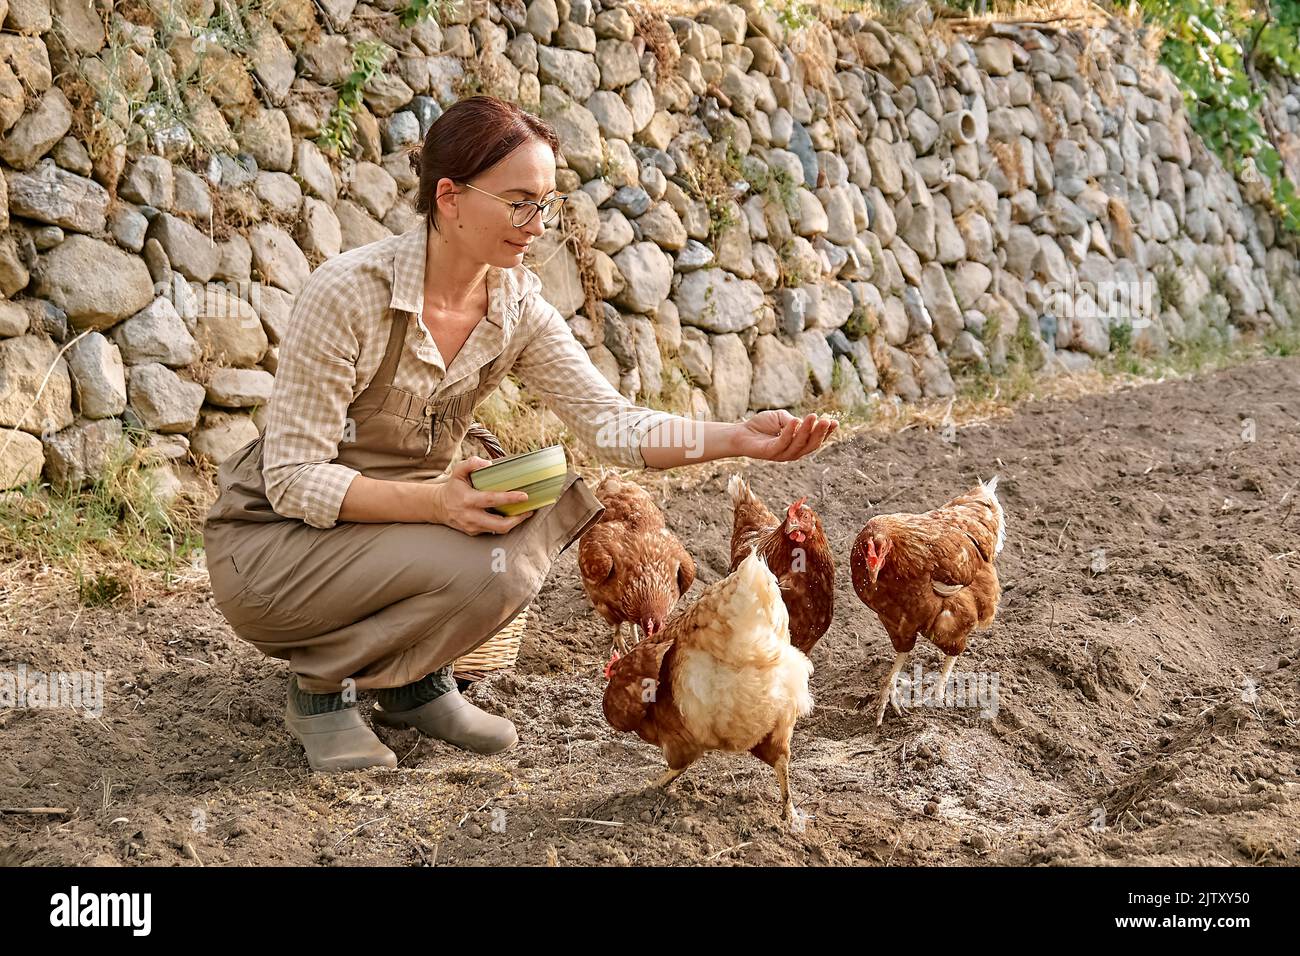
731	441
436	502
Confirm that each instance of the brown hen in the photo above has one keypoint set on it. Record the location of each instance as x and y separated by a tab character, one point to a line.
931	574
633	568
721	676
796	550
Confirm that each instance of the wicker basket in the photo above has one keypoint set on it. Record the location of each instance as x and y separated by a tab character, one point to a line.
502	649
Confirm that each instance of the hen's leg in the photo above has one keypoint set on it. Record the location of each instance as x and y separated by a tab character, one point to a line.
678	757
619	647
942	685
783	780
887	688
774	750
668	778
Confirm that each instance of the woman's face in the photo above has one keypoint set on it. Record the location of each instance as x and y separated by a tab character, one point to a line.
481	225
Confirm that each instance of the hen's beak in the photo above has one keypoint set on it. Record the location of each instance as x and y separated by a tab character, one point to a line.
874	561
792	528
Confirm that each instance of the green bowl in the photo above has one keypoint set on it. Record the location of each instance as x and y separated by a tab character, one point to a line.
541	473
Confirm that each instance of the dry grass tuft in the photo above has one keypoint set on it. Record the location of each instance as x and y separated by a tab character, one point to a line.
1005	155
649	20
1122	224
110	543
1057	13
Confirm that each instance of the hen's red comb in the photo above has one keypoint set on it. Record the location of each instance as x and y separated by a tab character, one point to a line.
795	507
613	658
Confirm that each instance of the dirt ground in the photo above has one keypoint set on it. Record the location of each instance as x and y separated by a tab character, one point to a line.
1145	653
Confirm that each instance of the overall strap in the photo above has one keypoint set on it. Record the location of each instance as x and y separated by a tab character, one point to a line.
393	351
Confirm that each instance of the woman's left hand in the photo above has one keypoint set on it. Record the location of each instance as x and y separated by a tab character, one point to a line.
778	436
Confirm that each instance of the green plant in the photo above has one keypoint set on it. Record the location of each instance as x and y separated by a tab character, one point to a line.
711	177
1276	48
368	59
862	323
1121	337
794	14
1207	350
417	10
675	387
1218	277
147	101
1214	49
1283	342
226	27
721	218
1023	347
1169	286
773	183
791	274
100	589
1023	358
469	84
991	333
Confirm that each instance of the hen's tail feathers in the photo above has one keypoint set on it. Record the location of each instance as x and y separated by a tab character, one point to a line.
738	489
991	490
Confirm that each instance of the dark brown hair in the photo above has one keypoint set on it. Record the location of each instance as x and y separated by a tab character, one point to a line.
472	136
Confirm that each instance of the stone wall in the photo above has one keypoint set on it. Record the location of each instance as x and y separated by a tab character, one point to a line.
762	215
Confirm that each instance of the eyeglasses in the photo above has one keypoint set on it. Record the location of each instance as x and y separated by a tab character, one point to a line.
522	211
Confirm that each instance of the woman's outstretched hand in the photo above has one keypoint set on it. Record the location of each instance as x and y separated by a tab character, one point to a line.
778	436
458	504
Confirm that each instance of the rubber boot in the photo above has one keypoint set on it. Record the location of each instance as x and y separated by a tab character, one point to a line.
453	719
337	741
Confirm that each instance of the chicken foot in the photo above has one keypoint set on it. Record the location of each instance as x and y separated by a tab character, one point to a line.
887	688
620	646
668	777
937	693
782	768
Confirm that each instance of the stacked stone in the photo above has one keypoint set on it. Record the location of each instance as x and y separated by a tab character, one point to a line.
897	206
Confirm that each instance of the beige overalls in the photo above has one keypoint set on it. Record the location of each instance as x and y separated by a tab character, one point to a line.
384	604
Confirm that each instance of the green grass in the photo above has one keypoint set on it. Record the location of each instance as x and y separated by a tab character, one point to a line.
104	534
1205	353
862	323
